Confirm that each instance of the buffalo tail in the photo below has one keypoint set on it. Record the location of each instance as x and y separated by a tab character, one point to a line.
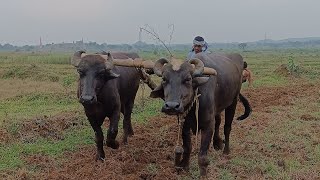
247	108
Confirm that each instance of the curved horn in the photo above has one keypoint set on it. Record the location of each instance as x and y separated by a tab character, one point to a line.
103	52
199	66
159	65
83	55
75	60
209	71
108	60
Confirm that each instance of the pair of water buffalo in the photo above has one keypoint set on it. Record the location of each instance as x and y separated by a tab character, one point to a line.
105	90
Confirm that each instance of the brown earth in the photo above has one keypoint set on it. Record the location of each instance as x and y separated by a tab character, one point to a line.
4	136
283	70
48	127
51	127
149	154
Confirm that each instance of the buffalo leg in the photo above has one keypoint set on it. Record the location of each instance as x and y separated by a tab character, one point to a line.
229	114
113	130
206	136
127	126
187	147
96	126
217	141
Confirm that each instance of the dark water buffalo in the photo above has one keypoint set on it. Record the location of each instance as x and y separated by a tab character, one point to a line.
218	93
104	91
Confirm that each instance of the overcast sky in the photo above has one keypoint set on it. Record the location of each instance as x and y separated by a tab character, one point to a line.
118	21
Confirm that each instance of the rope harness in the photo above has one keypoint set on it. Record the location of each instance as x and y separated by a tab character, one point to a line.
145	79
181	120
142	93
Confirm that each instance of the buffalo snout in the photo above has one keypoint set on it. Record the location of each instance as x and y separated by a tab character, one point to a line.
172	108
88	99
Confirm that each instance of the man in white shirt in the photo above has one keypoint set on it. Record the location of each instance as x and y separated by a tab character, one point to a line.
199	46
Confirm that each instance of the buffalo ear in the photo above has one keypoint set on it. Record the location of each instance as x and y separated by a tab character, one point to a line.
75	60
198	81
157	92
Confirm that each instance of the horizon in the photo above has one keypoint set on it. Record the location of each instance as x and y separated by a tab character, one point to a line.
65	42
118	21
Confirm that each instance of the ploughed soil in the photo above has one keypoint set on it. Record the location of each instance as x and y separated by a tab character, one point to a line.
50	128
149	154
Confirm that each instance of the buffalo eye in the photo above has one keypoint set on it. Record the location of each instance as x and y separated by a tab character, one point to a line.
81	73
164	80
101	74
187	81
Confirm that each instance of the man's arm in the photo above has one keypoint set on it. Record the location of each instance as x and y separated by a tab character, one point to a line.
190	55
250	78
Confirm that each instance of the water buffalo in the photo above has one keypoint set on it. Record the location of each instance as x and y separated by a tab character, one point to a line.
218	93
104	91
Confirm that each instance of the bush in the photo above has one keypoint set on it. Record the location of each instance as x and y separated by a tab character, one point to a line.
293	68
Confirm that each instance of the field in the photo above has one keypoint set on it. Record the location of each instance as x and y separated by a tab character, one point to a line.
44	133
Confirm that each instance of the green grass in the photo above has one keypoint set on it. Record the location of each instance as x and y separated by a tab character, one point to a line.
31	72
224	174
56	148
280	136
28	106
151	108
38	58
59	96
270	80
11	155
15	110
153	57
73	138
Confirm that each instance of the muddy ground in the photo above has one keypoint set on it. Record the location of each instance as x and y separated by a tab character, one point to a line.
149	154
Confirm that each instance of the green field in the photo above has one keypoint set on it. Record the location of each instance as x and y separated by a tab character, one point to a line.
40	115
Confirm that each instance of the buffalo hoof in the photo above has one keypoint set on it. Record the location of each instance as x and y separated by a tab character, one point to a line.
203	165
178	169
183	165
178	151
226	151
100	158
130	132
127	133
218	144
125	140
113	144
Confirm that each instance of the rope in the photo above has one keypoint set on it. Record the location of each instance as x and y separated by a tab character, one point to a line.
143	80
142	93
179	129
182	117
197	116
146	78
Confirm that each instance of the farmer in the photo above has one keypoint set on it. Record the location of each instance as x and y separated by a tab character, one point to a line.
247	74
199	45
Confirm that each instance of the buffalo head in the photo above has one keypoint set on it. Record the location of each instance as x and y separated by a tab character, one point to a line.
94	71
179	81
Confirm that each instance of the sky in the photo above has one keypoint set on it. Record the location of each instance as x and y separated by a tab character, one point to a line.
23	22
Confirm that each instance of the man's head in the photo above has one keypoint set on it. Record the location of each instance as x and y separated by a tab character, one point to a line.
198	44
245	65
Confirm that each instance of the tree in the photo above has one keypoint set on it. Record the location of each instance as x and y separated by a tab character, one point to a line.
242	46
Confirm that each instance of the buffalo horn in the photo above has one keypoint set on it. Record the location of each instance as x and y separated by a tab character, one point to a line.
159	65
